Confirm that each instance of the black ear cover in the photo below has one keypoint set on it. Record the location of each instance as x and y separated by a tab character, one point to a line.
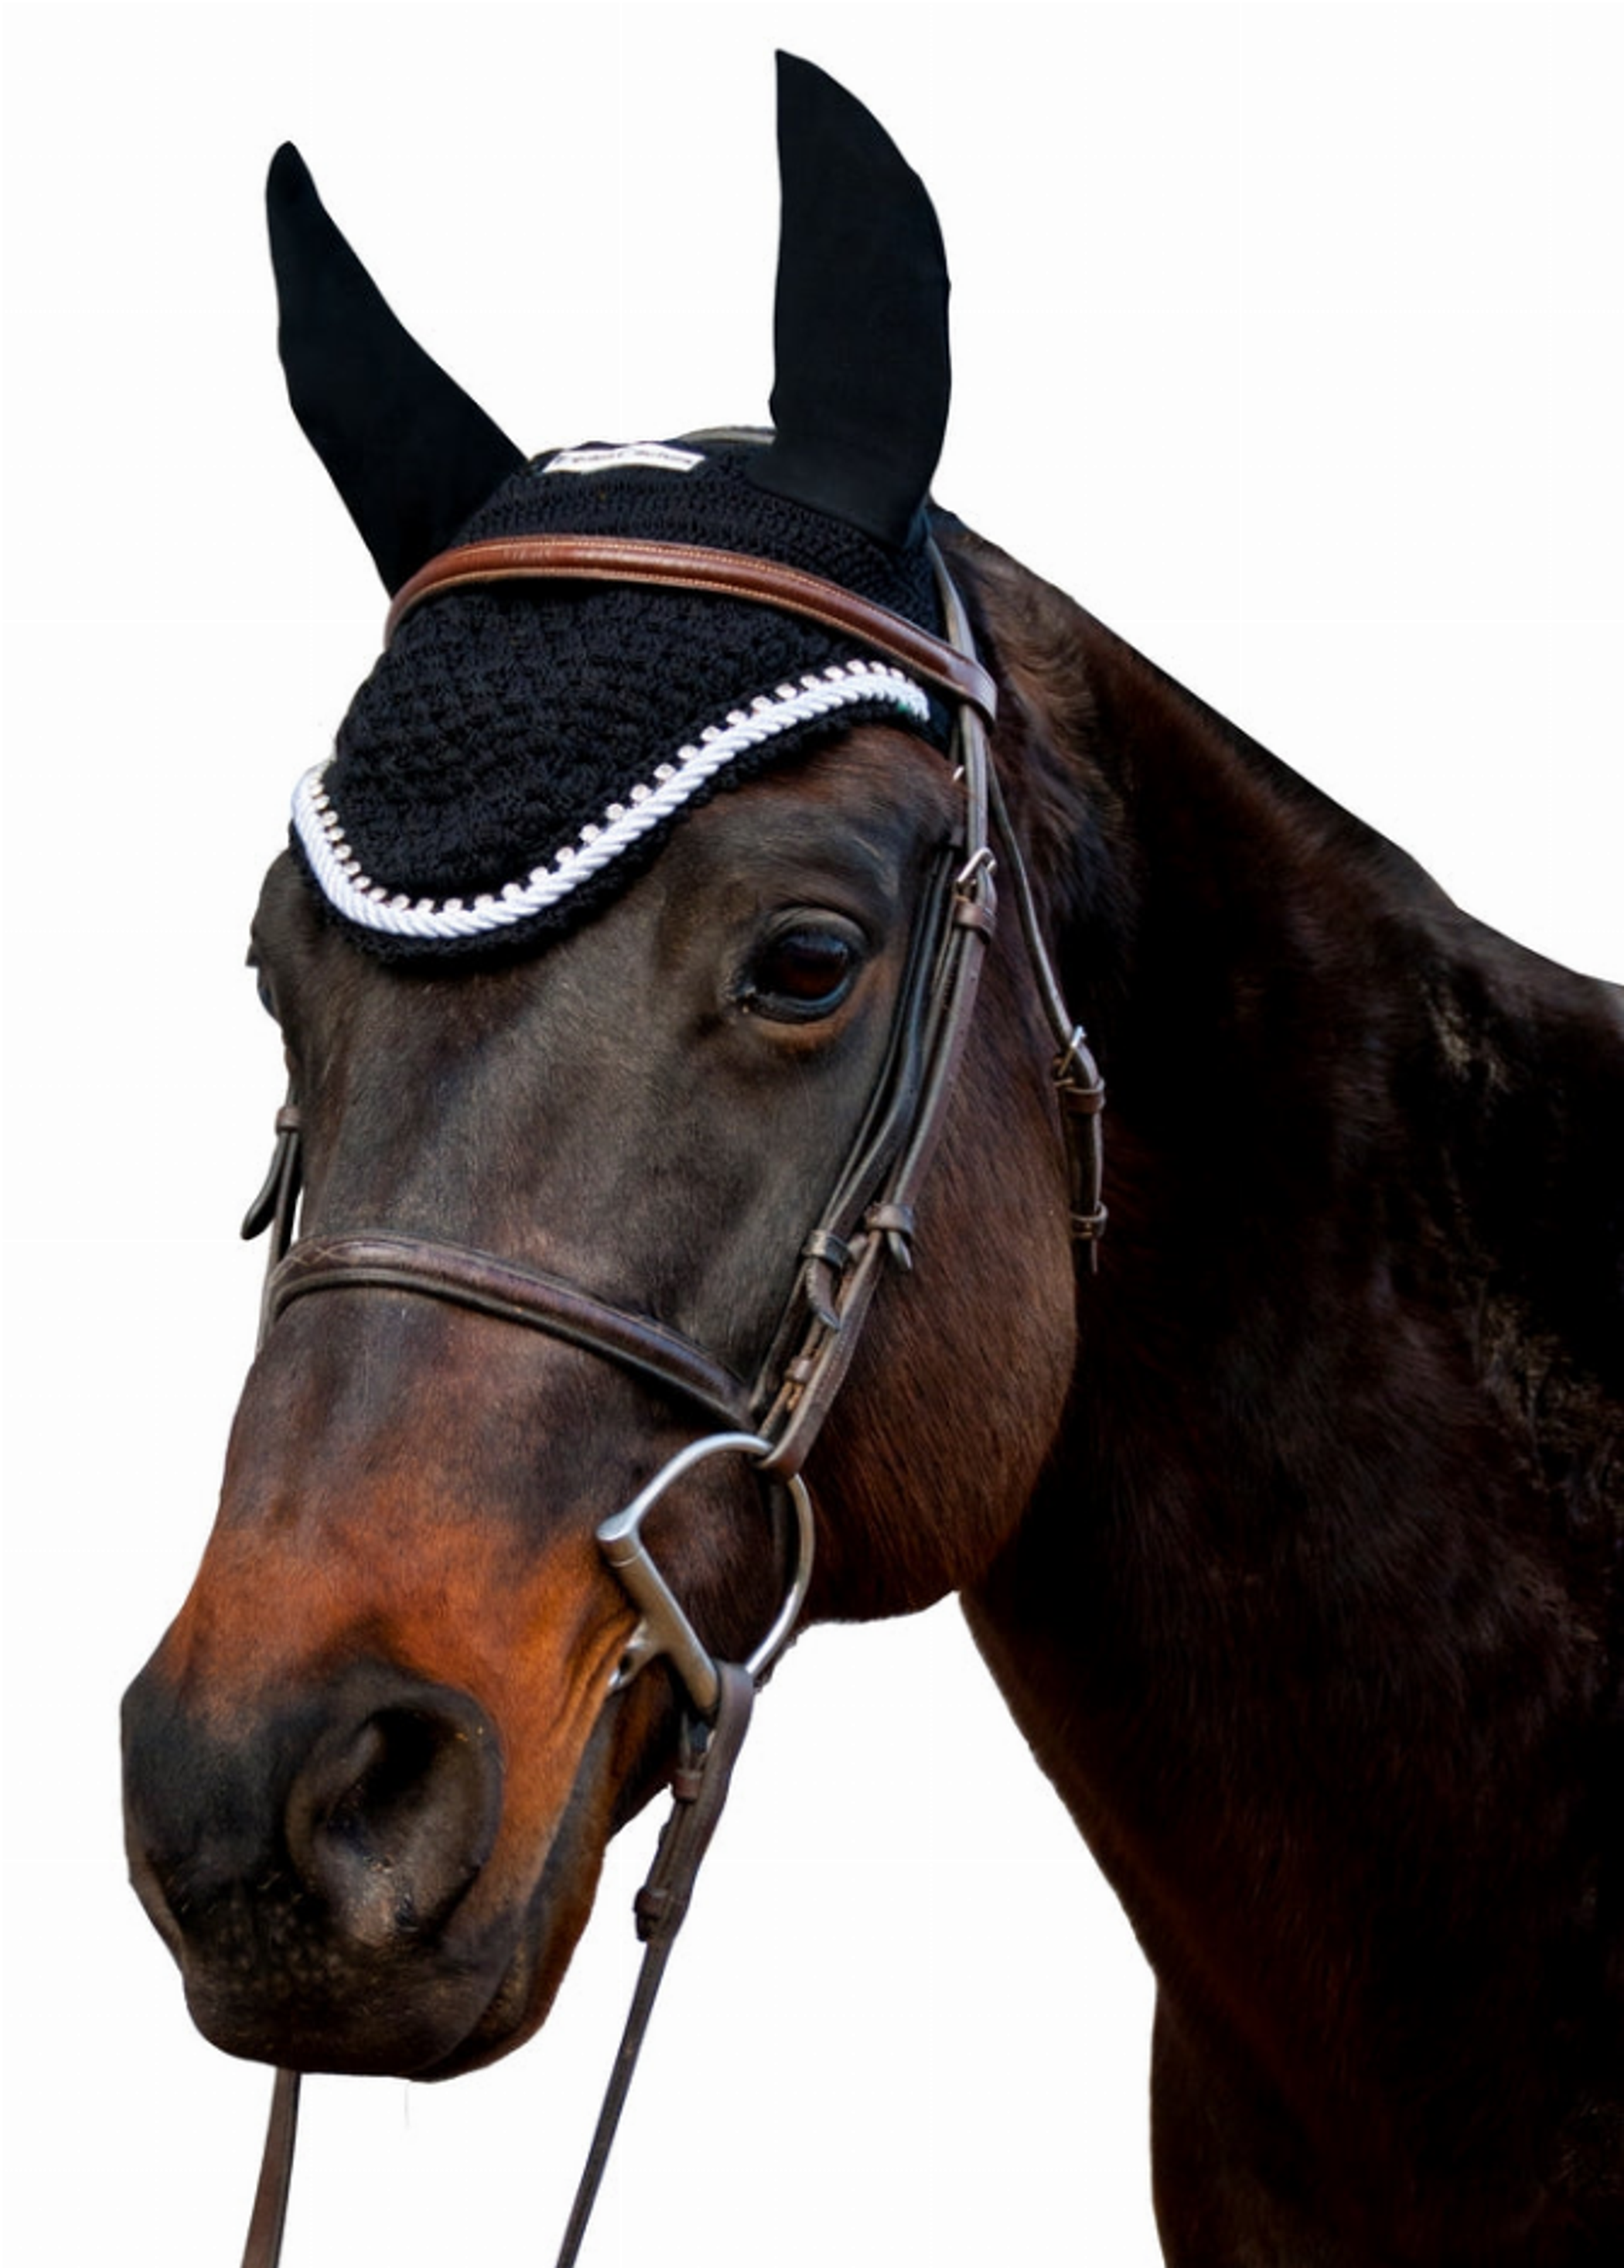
409	453
861	370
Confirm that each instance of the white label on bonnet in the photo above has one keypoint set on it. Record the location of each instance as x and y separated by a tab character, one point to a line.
658	456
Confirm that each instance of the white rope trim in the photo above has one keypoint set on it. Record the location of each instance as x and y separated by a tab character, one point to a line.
373	906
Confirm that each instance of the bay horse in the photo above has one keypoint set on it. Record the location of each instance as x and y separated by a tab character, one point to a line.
1287	1524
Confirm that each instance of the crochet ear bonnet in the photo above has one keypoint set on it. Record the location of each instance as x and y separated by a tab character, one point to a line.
520	751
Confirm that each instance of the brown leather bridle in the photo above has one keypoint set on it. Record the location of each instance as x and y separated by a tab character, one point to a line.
867	1223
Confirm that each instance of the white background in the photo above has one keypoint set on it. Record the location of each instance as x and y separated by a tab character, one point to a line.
1288	340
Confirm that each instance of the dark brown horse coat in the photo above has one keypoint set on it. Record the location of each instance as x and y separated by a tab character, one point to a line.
1291	1537
1315	1624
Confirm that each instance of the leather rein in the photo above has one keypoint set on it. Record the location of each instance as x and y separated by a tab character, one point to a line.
867	1223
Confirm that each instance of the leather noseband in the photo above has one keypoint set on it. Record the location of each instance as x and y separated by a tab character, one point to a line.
514	1294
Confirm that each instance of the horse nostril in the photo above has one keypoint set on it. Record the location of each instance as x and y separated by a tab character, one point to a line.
394	1812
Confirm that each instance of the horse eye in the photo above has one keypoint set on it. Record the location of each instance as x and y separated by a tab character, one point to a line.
803	972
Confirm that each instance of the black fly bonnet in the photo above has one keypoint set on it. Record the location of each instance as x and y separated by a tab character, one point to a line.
520	751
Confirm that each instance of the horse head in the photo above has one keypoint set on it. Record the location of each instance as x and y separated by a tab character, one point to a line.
615	957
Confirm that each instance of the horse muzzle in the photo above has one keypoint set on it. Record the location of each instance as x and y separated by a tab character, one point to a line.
315	1875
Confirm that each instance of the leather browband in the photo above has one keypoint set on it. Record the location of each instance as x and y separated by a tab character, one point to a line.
698	567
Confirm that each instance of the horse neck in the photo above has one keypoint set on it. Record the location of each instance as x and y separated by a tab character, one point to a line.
1364	1150
1305	1560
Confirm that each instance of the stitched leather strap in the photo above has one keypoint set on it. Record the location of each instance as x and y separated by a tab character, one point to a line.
263	2248
515	1294
698	567
699	1790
